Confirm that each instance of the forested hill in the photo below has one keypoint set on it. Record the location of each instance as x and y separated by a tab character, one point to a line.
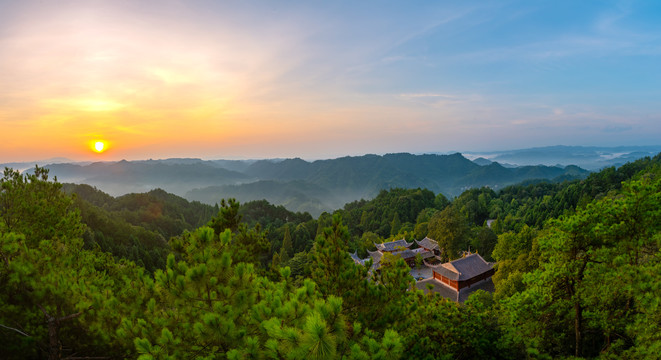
325	185
299	185
137	226
448	174
578	274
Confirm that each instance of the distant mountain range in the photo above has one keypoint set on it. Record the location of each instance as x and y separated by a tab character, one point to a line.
590	158
325	185
299	185
24	165
328	184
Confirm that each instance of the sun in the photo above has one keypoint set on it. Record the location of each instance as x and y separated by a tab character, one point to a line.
99	146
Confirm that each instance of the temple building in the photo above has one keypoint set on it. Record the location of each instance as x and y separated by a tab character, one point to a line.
458	278
464	272
399	248
429	245
454	280
393	246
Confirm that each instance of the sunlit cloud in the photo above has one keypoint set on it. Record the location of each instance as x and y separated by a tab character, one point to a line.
93	105
172	76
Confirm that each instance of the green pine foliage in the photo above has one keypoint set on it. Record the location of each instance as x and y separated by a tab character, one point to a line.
593	279
395	207
34	207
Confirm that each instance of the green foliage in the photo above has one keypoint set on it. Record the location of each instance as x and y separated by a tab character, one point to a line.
302	236
370	299
595	268
57	299
156	211
287	248
534	203
59	296
266	214
395	225
298	265
450	229
35	207
136	226
364	243
205	305
483	240
228	217
395	207
332	268
474	204
436	328
586	285
109	232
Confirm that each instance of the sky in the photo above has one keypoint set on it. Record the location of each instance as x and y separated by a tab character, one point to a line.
323	79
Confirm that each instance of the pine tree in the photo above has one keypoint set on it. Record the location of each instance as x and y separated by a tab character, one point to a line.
32	205
597	267
287	249
395	225
207	306
56	298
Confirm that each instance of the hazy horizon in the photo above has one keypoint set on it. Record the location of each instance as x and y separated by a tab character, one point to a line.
228	80
468	154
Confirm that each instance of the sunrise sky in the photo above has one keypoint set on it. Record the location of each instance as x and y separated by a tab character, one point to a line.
313	79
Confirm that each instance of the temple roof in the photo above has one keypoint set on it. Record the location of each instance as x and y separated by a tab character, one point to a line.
376	256
354	255
356	259
404	254
393	245
427	243
408	253
463	269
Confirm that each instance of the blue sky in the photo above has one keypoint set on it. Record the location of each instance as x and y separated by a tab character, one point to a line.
324	79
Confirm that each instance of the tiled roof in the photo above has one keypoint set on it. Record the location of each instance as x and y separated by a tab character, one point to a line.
427	243
356	259
404	254
463	269
419	251
393	245
471	266
376	256
354	256
408	253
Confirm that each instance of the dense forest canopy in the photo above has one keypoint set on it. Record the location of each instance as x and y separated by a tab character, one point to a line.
153	276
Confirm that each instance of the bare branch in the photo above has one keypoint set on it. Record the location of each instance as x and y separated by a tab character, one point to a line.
44	312
18	331
71	316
